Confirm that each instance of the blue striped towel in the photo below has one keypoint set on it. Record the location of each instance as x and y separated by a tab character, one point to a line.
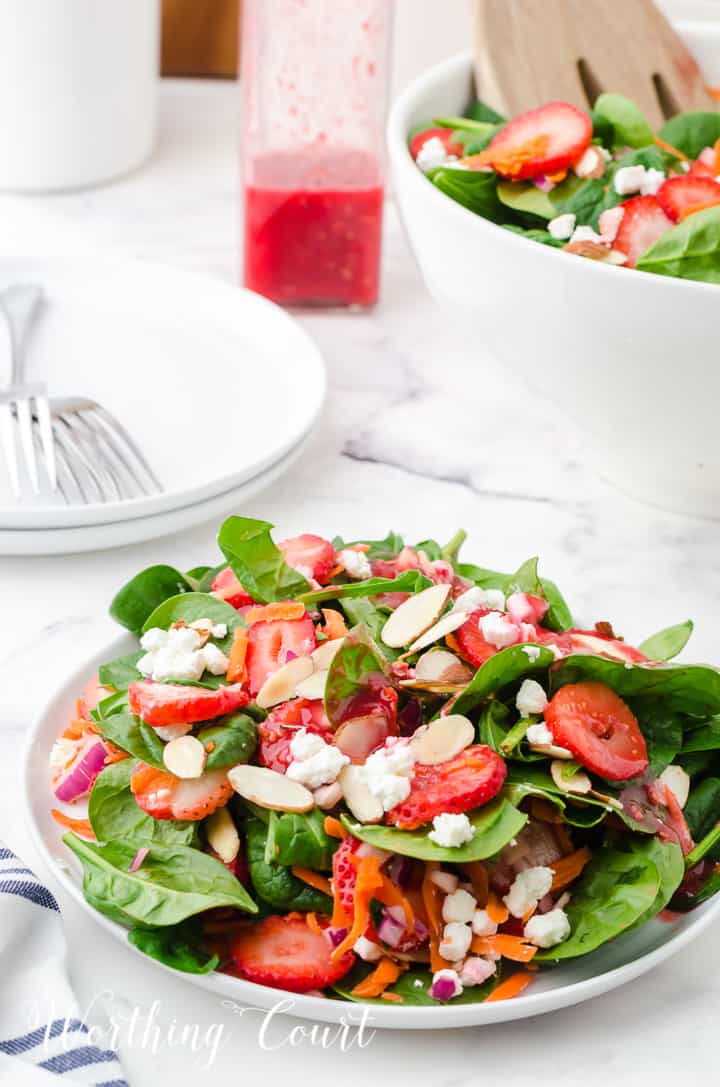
43	1039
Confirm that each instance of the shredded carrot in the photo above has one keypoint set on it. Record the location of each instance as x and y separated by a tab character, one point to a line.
333	827
510	947
333	573
114	754
281	609
313	924
716	165
313	879
80	826
528	914
393	998
236	671
509	161
497	911
569	868
665	146
509	988
477	874
385	973
692	209
714	92
452	643
390	895
334	626
79	728
433	909
556	178
368	882
210	746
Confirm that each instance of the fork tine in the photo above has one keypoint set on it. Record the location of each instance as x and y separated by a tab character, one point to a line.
93	441
74	449
7	434
116	429
42	409
24	418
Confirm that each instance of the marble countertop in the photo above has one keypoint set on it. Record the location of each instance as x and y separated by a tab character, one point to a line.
422	433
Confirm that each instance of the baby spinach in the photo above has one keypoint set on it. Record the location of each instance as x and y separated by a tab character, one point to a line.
702	810
535	235
451	550
691	133
706	737
131	734
662	729
413	986
558	616
619	123
189	607
274	883
354	668
480	111
234	739
474	140
114	703
114	813
494	825
684	688
173	883
144	593
492	726
589	199
504	668
670	863
474	189
689	250
122	671
377	549
295	838
178	946
258	563
527	198
667	643
707	847
410	581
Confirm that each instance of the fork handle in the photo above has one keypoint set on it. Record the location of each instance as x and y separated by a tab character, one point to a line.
20	305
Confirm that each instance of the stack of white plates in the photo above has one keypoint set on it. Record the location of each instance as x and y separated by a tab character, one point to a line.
219	388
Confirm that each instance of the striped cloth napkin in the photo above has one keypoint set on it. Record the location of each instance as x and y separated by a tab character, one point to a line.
43	1040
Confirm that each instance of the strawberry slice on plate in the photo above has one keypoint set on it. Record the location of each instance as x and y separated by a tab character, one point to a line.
452	147
285	953
602	732
164	796
541	141
312	556
173	703
682	196
458	785
227	586
272	644
473	645
276	732
643	222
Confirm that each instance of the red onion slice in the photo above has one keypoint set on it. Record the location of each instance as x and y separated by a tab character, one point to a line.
139	858
77	779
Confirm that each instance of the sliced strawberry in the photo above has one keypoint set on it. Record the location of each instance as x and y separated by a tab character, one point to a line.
643	222
164	796
701	169
590	641
92	694
172	703
277	730
285	953
452	147
228	588
526	608
272	644
602	732
680	196
458	785
542	141
311	556
473	645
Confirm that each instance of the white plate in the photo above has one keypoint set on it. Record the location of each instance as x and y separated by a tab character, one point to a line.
215	383
99	537
627	957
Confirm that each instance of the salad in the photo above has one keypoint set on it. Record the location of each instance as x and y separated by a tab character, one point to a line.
377	772
602	186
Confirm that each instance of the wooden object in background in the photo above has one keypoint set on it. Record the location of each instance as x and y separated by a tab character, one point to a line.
200	38
534	51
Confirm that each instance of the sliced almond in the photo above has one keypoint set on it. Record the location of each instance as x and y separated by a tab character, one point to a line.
222	835
442	666
364	806
438	630
281	684
677	781
171	732
442	739
270	789
579	783
552	751
415	616
185	757
312	687
434	688
323	656
327	796
358	737
611	801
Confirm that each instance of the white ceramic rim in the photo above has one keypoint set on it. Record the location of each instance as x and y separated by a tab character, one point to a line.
319	1009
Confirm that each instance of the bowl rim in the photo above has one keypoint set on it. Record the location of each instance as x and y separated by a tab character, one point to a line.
403	165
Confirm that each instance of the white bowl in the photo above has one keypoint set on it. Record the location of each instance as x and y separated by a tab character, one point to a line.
627	354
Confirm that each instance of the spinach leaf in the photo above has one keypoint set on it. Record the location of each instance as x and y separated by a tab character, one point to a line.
177	946
122	671
689	250
480	111
258	563
535	235
704	738
114	813
527	198
474	189
234	739
620	123
618	887
410	581
299	839
192	606
558	616
663	734
691	133
667	643
495	824
274	883
413	986
114	703
670	863
684	688
451	550
474	140
702	810
173	883
592	197
502	669
378	549
144	593
131	734
356	667
578	810
493	725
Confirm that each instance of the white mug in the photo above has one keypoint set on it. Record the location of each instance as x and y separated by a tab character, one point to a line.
78	90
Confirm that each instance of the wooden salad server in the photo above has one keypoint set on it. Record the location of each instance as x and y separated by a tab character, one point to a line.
534	51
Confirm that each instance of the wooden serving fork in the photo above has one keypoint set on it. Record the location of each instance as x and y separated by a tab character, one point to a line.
534	51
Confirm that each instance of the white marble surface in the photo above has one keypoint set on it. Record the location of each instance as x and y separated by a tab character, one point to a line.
422	433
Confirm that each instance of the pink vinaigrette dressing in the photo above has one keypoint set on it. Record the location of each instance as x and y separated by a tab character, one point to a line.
313	222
